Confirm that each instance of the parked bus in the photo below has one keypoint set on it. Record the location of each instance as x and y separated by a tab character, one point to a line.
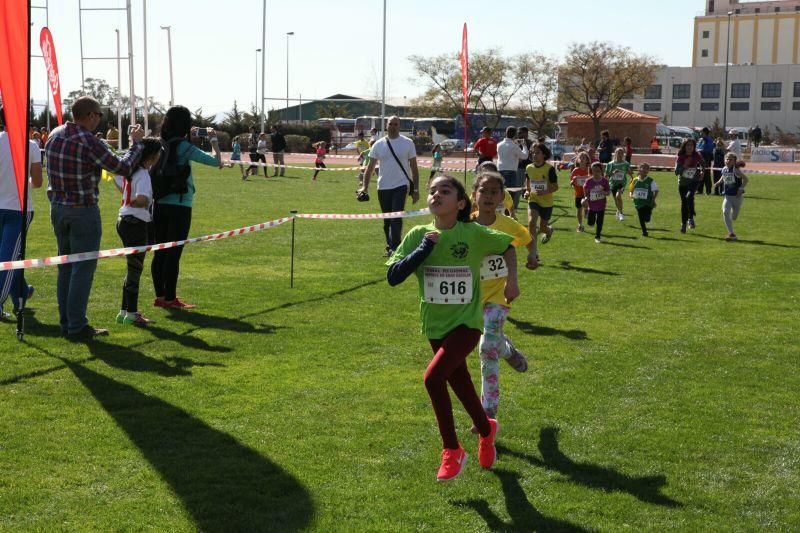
365	125
438	129
343	130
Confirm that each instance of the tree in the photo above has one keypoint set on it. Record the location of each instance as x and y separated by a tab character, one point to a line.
595	77
493	82
333	110
202	121
234	121
539	90
98	89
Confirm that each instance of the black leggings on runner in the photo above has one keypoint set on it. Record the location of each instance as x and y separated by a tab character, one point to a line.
686	190
644	217
170	223
596	218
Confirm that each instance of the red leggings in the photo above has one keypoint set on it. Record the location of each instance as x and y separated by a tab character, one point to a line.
449	365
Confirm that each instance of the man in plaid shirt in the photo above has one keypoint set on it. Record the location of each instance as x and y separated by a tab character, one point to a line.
75	159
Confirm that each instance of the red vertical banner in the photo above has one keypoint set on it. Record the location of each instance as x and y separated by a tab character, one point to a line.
49	54
15	50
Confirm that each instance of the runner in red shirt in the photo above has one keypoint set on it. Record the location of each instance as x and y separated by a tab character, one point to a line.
486	147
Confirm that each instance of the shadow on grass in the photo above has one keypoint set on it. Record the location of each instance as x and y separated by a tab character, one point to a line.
531	329
746	241
663	238
223	484
184	339
623	245
645	488
524	516
566	265
612	236
202	320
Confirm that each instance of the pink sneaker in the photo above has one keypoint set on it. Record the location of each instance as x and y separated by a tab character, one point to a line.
178	304
487	454
453	462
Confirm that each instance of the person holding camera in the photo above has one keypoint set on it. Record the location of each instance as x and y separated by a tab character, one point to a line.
510	152
75	159
398	177
172	213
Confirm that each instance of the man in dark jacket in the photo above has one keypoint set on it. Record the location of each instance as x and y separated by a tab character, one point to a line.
278	142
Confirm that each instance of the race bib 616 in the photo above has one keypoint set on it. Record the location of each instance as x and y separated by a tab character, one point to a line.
447	284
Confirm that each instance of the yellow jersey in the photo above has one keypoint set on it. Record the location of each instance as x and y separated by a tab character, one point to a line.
539	178
493	269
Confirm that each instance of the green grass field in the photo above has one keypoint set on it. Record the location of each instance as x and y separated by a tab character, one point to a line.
662	391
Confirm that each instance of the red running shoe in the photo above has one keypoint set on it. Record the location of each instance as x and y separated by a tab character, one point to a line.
159	302
453	462
486	450
178	304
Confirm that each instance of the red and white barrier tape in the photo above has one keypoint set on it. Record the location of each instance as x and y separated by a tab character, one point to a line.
259	164
121	252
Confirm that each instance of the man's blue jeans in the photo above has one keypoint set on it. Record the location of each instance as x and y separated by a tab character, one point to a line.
10	243
77	230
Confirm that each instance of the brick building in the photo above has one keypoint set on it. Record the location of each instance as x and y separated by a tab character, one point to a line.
620	122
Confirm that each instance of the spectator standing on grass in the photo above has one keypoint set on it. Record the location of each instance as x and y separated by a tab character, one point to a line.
510	153
11	219
719	162
75	159
252	147
523	163
43	132
706	148
486	147
278	142
262	152
735	146
628	149
397	176
605	148
172	213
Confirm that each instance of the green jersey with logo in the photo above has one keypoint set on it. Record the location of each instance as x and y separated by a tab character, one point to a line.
450	278
617	173
643	192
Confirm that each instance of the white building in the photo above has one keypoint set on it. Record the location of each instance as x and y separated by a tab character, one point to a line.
763	69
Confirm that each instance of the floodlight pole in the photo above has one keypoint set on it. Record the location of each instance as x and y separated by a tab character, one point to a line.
255	101
383	73
263	63
146	106
288	34
130	63
119	95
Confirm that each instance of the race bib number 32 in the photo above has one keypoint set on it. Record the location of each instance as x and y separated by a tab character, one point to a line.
494	266
448	284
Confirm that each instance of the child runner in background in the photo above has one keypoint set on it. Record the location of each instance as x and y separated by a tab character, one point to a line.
577	179
262	152
319	162
617	172
733	182
363	163
628	149
541	181
719	162
487	194
132	227
446	257
436	155
236	155
595	190
644	191
507	207
688	169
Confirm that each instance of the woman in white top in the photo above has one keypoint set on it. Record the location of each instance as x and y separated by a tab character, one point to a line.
133	228
262	152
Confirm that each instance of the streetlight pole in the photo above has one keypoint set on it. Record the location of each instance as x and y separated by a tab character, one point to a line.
263	63
727	62
383	73
119	96
144	40
255	101
288	34
169	53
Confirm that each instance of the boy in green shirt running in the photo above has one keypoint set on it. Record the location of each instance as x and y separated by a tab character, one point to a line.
644	191
617	172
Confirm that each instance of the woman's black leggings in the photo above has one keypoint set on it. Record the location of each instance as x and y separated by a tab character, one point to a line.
596	218
686	190
170	223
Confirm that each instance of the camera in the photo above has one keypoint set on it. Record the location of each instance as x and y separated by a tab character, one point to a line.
131	128
362	196
202	132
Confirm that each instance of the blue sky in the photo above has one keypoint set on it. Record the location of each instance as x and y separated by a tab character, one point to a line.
337	44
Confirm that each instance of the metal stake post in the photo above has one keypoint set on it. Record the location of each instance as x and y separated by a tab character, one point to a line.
291	268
